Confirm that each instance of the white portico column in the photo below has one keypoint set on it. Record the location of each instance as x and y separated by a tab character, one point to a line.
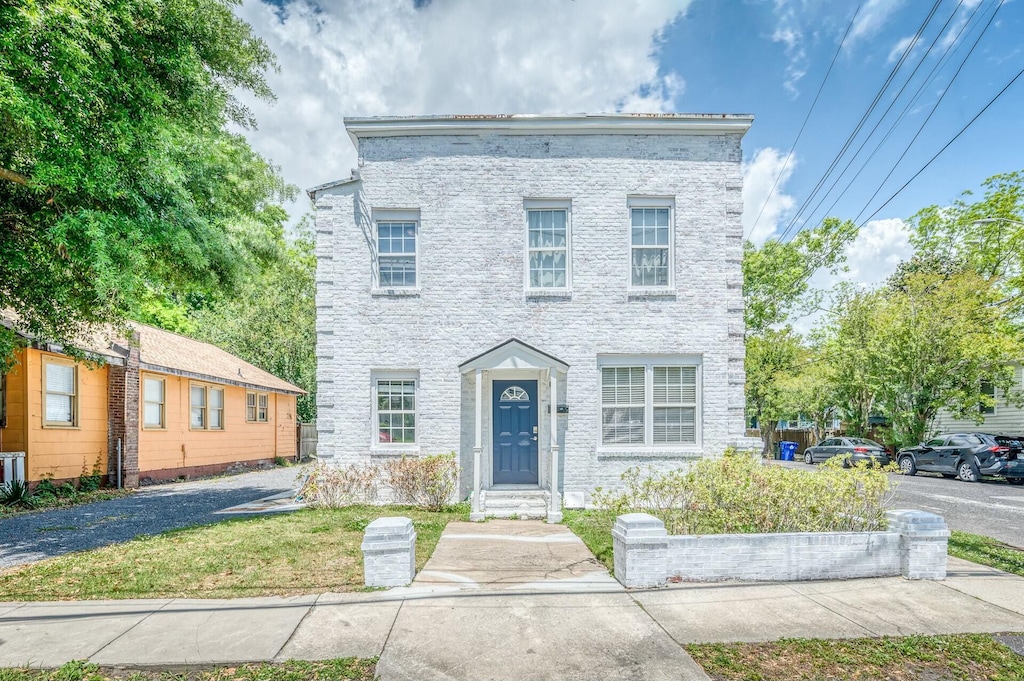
555	509
477	512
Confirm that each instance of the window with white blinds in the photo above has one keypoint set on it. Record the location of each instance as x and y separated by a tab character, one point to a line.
649	403
153	390
61	387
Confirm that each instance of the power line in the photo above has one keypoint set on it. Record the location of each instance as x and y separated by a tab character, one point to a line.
930	113
792	148
881	118
815	266
917	95
863	119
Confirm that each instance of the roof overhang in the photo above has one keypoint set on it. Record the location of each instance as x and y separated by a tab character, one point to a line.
528	124
513	354
311	192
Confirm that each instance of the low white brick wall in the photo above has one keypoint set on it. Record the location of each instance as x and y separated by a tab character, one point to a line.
389	552
645	555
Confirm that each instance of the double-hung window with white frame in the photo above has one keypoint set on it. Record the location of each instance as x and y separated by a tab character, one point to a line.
651	240
394	409
397	234
548	245
650	401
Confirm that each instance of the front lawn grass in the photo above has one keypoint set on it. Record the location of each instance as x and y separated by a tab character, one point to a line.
595	529
308	551
962	657
292	670
986	551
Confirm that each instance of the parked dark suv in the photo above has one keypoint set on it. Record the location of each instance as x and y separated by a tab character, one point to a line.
1014	471
967	456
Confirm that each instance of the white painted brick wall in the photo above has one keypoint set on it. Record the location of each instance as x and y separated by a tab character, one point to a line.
645	556
469	191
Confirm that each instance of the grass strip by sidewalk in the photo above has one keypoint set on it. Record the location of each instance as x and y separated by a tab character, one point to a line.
292	670
595	529
308	551
987	551
963	657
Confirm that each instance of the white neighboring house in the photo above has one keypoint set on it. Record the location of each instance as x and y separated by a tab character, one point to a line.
554	298
1003	418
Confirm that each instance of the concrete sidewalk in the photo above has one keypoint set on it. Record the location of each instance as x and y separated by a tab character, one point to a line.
507	600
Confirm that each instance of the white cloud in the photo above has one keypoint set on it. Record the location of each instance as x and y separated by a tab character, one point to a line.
878	249
872	18
387	57
789	33
953	34
899	48
762	207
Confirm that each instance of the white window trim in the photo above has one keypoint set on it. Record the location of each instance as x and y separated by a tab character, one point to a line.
376	446
163	404
651	202
73	424
395	215
547	204
649	361
207	408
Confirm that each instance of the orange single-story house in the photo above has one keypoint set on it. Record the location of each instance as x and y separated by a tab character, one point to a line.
165	405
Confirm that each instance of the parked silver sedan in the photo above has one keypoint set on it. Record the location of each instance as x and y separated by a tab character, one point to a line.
853	449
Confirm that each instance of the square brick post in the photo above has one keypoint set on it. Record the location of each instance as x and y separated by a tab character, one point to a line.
924	540
640	544
389	552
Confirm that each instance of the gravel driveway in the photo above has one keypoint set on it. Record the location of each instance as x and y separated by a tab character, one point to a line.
35	536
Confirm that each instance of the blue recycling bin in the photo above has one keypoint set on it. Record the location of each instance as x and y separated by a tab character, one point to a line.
787	450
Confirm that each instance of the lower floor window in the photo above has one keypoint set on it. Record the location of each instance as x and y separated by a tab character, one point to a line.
653	403
396	411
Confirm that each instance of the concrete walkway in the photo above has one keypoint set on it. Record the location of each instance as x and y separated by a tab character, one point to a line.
507	600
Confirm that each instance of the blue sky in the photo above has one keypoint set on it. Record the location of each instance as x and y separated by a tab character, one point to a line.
766	57
735	58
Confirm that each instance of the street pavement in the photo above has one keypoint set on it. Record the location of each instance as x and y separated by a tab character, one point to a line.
508	600
991	507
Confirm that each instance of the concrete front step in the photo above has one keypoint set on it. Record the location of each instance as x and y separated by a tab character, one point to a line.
531	503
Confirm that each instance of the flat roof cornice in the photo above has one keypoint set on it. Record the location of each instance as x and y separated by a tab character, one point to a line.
573	124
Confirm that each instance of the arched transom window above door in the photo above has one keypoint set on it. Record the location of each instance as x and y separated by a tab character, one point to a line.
515	394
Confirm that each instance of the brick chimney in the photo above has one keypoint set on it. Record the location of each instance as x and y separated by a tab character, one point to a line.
123	414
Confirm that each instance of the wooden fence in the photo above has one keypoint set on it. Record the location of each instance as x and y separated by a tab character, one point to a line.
305	436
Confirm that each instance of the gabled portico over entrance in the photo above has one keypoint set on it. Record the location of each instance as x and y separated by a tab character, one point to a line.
514	409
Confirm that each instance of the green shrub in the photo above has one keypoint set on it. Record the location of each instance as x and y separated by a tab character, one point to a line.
46	489
14	492
737	493
329	486
430	482
89	483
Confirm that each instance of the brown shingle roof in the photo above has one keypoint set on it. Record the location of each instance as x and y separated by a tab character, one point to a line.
159	349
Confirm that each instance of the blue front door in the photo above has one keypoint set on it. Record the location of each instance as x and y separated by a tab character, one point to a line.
515	432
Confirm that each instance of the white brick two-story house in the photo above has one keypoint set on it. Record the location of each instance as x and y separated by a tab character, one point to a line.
553	298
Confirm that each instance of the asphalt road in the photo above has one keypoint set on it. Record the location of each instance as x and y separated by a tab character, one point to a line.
991	507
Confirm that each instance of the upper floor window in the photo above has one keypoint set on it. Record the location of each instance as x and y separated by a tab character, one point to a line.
396	233
650	250
547	224
61	386
649	402
988	407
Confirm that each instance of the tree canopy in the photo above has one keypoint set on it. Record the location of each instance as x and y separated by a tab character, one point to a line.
118	174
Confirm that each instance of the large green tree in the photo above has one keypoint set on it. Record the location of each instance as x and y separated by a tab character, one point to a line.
984	235
776	289
118	174
271	320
